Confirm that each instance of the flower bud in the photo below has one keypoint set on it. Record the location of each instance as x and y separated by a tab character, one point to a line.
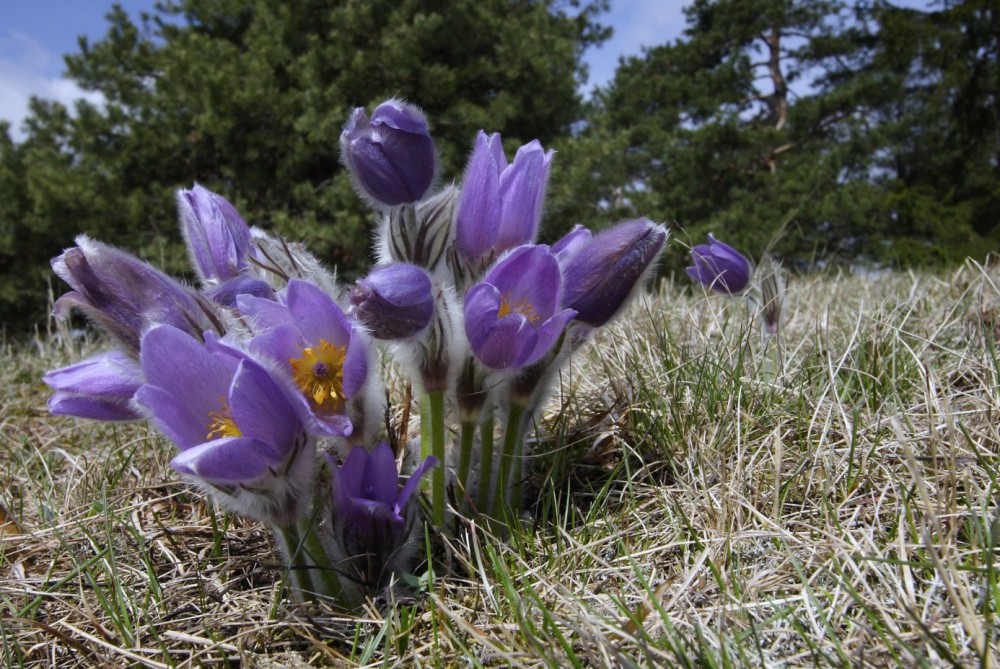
125	296
601	271
391	156
217	238
720	267
394	301
501	204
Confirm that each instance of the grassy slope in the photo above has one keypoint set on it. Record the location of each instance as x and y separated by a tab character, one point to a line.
705	501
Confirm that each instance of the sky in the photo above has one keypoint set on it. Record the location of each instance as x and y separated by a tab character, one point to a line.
35	34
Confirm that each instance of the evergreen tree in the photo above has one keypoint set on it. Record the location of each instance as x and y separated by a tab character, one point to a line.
247	97
887	152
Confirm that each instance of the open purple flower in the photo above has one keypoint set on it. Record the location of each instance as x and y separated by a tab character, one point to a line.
391	156
308	335
100	387
720	267
371	511
514	316
241	430
217	238
125	296
394	301
501	204
601	271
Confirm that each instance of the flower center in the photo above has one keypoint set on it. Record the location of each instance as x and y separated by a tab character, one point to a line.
319	374
222	423
524	307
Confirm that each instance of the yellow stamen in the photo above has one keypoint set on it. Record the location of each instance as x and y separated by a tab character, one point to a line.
523	307
222	424
319	374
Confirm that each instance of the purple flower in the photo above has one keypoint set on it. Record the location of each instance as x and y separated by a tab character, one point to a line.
99	387
125	296
391	157
217	238
720	267
370	508
241	430
394	301
601	271
501	205
309	336
512	317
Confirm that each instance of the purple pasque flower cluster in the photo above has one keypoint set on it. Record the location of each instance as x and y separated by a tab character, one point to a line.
263	375
469	303
253	375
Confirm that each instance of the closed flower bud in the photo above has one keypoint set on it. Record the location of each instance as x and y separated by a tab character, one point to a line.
217	238
720	267
600	272
390	156
394	301
125	296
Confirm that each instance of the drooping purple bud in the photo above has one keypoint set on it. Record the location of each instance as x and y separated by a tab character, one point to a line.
501	204
217	238
125	296
391	156
514	316
720	267
371	512
100	387
601	271
394	301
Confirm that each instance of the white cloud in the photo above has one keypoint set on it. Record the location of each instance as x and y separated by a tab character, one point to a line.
27	69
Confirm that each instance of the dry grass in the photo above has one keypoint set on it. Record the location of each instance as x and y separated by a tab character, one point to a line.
705	500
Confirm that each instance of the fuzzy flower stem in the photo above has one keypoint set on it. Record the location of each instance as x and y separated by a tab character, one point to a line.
485	460
432	443
468	435
312	574
511	451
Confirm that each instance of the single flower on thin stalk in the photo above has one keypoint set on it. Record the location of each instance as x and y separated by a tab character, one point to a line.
720	267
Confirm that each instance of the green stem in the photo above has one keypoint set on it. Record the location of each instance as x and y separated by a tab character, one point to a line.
465	456
432	443
511	443
299	569
312	574
485	461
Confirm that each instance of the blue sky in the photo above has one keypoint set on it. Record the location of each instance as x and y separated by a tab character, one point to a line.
34	35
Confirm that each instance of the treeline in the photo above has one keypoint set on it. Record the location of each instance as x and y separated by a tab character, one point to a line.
837	131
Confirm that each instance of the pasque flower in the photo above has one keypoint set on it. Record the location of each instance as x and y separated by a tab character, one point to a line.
501	204
514	316
601	271
125	296
311	338
394	301
242	431
720	267
371	511
217	238
390	156
99	387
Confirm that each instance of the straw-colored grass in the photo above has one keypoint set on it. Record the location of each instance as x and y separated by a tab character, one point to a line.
706	499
